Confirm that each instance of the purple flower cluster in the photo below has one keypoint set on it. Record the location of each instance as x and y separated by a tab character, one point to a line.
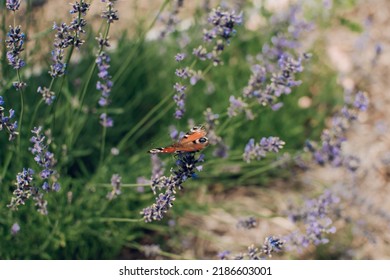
15	41
110	14
223	23
6	123
248	223
104	84
45	159
171	20
266	87
157	170
274	72
106	121
15	229
271	244
183	74
259	150
47	95
187	165
24	190
237	105
315	216
66	36
179	99
12	5
116	186
330	149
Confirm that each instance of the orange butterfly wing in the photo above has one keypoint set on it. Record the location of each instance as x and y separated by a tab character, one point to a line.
192	141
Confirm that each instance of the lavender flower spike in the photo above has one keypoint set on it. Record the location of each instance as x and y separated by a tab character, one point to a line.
5	121
259	150
116	186
12	5
45	159
24	188
187	165
15	42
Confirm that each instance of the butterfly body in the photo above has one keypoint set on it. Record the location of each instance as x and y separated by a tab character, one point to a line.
193	141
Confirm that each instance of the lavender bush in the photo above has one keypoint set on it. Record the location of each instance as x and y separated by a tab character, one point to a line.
73	161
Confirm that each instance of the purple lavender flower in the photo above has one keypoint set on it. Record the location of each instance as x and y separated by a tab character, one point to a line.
40	203
79	8
253	252
12	5
66	36
200	52
173	133
179	99
15	41
361	101
157	168
223	255
180	57
19	85
6	123
24	188
182	73
267	86
109	14
104	84
195	76
47	95
45	159
274	73
237	105
330	149
315	216
272	244
259	150
277	106
212	120
248	223
223	23
187	165
106	121
116	186
171	20
15	229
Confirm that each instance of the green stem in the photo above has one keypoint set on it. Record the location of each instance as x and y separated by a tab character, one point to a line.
35	114
259	171
20	117
103	144
143	121
123	185
120	220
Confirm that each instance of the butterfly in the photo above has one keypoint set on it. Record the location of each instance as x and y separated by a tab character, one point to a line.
193	141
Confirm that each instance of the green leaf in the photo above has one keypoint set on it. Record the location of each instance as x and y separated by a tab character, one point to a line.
353	26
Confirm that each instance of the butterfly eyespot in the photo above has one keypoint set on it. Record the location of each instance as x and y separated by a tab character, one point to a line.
192	141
